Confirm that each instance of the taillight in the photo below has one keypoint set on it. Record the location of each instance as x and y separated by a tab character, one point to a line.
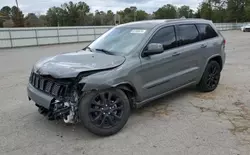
224	41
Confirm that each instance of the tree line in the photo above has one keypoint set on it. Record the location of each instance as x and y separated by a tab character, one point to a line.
78	14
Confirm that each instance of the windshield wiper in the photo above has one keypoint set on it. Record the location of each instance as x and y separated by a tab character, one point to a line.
88	48
105	51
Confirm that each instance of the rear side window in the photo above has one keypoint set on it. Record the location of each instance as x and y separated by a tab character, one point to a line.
188	34
206	31
165	36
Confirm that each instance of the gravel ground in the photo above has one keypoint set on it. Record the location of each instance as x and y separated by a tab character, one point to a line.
186	122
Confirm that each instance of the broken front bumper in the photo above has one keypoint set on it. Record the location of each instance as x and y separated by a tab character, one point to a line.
39	97
50	107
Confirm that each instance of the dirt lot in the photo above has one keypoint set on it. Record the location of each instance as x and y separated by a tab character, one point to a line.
186	122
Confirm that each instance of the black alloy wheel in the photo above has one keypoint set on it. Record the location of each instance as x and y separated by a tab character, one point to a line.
211	77
105	112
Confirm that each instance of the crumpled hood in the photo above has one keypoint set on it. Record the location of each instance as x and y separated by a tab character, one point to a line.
71	64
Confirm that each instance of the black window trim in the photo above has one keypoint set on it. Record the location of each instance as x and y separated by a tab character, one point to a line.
162	27
178	35
217	35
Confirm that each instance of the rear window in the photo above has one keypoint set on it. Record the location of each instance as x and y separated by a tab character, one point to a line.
188	34
206	31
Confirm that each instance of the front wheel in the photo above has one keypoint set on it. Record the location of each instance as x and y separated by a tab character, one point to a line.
104	113
210	78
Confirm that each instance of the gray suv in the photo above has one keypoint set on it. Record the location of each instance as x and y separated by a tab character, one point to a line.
127	67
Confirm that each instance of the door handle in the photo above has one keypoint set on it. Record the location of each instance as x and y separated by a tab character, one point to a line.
203	46
176	54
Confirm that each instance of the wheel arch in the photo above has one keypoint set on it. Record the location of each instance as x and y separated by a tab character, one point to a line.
126	87
130	91
202	85
218	59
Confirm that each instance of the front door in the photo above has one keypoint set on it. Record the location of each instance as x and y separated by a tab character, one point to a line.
175	67
156	70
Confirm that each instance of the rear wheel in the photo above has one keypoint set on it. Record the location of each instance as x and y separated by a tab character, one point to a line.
105	112
210	78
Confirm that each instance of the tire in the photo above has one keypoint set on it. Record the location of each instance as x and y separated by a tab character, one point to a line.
104	113
210	78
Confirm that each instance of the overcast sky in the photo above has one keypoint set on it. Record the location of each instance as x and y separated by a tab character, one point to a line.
41	6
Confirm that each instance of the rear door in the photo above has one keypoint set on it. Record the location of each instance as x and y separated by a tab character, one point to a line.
189	54
210	40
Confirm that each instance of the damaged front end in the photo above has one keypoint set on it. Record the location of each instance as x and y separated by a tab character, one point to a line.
63	97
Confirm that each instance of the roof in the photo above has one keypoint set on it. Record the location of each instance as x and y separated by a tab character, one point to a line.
143	24
157	22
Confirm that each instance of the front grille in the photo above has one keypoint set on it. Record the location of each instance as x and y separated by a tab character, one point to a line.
47	85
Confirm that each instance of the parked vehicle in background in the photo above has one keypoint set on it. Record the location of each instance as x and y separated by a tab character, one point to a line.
127	67
245	28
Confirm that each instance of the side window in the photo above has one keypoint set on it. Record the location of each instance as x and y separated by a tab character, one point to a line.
165	36
206	31
188	34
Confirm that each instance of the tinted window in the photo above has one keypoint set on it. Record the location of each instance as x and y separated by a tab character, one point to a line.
165	36
206	31
188	34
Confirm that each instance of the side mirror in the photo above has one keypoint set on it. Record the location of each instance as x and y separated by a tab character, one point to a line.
153	48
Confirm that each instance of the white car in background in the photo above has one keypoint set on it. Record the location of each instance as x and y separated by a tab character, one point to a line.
246	28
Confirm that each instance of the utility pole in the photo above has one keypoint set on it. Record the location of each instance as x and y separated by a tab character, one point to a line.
17	4
134	9
115	19
17	15
135	15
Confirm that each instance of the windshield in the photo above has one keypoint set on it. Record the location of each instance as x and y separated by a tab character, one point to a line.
119	41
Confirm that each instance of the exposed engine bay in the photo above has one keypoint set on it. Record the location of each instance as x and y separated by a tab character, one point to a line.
66	110
65	94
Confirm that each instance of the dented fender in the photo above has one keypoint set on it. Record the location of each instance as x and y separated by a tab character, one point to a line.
92	87
102	80
95	81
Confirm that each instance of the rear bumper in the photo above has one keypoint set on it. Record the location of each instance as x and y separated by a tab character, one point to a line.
39	97
223	59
